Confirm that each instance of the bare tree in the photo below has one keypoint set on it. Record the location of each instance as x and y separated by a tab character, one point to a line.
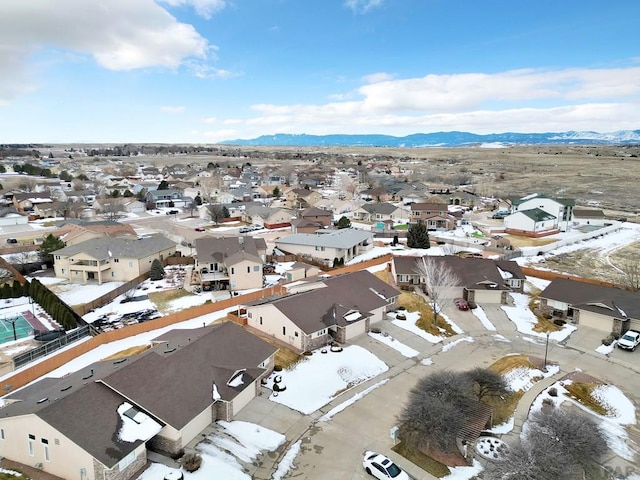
217	212
439	280
111	210
449	249
486	382
559	444
630	273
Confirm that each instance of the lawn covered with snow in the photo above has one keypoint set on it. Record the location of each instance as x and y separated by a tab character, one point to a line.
321	377
395	344
525	320
410	325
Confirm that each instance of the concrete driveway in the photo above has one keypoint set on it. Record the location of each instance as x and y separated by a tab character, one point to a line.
333	449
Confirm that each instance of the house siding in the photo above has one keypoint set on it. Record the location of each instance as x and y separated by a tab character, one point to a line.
274	323
103	473
167	440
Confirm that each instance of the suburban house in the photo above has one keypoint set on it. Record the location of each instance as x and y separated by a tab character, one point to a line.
121	204
380	212
268	217
166	198
9	216
73	232
534	223
434	215
301	270
608	309
324	218
321	310
24	201
560	208
99	422
594	218
230	263
298	198
327	245
108	259
480	280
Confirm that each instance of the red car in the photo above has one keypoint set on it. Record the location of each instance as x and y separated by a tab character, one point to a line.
462	304
199	229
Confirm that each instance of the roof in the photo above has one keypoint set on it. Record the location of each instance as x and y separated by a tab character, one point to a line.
174	380
343	238
220	249
439	207
119	247
473	273
320	308
563	201
71	230
608	301
316	212
537	215
381	208
587	213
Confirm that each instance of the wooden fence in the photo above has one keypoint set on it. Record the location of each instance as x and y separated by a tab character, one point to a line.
548	275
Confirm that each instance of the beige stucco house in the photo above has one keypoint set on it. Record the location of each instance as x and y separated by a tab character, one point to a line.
321	310
97	423
328	245
108	259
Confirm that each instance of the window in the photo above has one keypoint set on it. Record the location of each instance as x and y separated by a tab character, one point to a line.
63	270
1	433
319	249
126	461
296	334
130	264
45	448
116	260
113	274
57	257
248	269
256	268
284	330
233	270
260	320
32	439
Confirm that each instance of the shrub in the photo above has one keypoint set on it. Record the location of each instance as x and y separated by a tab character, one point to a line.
559	322
277	368
178	455
191	462
375	330
553	392
279	388
608	340
402	308
401	316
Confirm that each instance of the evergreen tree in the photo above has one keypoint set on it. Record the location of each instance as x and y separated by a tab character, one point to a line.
343	222
163	185
50	244
277	192
156	272
418	236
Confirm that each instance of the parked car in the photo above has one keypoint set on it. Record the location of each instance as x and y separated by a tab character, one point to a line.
500	214
630	340
245	229
462	304
379	466
173	212
255	226
12	240
200	229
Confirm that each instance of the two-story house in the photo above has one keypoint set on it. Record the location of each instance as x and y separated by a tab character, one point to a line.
435	215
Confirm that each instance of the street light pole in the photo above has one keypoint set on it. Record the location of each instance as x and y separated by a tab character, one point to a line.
546	350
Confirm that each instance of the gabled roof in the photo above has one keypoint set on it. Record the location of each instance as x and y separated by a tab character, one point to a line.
587	213
316	212
119	247
432	206
537	215
343	238
326	306
473	273
382	208
563	201
220	249
609	301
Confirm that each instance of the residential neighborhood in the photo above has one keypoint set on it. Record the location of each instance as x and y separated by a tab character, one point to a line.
303	304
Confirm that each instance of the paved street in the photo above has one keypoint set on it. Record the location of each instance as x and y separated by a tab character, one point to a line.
333	449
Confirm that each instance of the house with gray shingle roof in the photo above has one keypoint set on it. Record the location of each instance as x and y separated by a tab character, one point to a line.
379	212
604	308
231	263
97	423
327	245
108	259
320	310
479	279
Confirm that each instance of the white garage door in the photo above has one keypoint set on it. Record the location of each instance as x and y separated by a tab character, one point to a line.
488	296
635	325
356	329
597	321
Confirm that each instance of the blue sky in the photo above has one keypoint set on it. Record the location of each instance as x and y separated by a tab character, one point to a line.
204	71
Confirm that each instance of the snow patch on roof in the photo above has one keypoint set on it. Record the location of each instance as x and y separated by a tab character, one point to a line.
135	424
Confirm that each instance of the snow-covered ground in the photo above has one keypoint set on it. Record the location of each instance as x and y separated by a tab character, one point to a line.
525	320
395	344
321	377
622	412
410	325
486	323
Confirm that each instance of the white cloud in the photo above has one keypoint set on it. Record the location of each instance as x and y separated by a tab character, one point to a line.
209	120
170	109
519	101
118	34
362	6
204	8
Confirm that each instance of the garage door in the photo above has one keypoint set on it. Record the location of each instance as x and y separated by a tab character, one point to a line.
488	296
597	321
358	328
635	325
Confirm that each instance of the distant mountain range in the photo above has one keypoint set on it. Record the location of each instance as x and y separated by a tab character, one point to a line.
444	139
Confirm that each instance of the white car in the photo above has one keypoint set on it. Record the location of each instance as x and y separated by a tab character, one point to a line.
630	340
379	466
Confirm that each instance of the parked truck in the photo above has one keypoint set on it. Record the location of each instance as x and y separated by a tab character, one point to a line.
630	340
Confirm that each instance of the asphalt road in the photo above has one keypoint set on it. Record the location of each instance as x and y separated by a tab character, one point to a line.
333	449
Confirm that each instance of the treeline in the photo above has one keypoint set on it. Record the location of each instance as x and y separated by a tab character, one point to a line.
44	297
20	151
30	169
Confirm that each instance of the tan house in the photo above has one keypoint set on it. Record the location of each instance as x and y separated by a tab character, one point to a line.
268	217
76	231
25	201
231	263
97	423
434	215
328	245
298	198
321	310
108	259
